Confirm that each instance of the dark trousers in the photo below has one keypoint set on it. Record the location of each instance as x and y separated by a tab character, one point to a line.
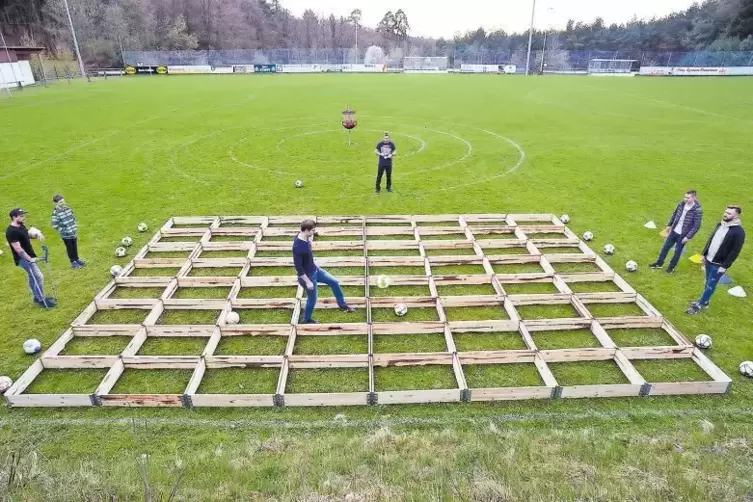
71	246
380	173
673	239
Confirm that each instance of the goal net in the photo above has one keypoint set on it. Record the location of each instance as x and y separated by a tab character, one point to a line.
425	64
613	66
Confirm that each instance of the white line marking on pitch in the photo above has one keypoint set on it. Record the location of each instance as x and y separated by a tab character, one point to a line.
377	422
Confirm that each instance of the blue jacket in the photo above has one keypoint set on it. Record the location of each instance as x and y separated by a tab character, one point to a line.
693	219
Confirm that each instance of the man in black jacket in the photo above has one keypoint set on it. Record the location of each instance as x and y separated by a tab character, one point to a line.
720	253
683	225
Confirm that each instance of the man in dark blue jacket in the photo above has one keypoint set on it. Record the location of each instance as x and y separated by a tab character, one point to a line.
720	253
309	275
683	225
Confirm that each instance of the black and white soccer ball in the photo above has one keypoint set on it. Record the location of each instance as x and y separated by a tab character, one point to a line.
608	249
298	184
565	218
142	227
126	241
703	341
401	309
5	383
32	346
116	270
588	236
120	251
631	266
746	368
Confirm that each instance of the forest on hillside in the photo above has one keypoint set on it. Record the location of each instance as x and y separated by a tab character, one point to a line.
106	28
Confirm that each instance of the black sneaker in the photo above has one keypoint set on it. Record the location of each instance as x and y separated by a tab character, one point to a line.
377	191
310	321
656	265
389	190
348	309
670	271
694	308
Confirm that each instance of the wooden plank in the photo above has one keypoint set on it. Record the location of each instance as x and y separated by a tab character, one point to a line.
605	390
232	400
644	305
106	330
670	352
180	304
587	277
264	303
399	328
78	362
25	379
473	301
544	372
334	329
329	361
557	324
329	399
410	359
161	362
454	280
569	355
604	339
255	329
510	394
710	368
630	322
540	299
419	396
687	388
628	369
50	400
159	262
142	400
59	344
483	326
194	220
589	298
180	330
496	357
206	282
84	316
108	382
142	282
282	380
673	332
195	381
218	362
212	343
121	304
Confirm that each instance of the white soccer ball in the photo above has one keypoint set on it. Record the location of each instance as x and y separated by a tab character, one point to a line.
233	318
126	241
631	266
608	249
143	227
116	270
32	346
383	281
5	383
565	218
401	309
703	341
746	368
299	184
120	252
588	236
34	233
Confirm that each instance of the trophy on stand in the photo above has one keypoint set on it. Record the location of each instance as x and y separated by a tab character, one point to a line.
349	121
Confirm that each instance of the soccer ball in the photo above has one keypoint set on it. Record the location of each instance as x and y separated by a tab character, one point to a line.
746	368
588	236
703	341
5	383
34	233
143	227
401	309
116	270
126	241
631	266
233	318
120	252
383	281
32	346
565	218
608	249
299	184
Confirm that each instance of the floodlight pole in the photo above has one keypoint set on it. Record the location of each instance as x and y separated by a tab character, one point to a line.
530	38
75	41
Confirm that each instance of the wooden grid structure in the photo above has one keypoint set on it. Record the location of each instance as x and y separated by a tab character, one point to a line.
366	239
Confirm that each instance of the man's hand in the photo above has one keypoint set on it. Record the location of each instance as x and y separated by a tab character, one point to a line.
309	284
685	240
33	260
721	270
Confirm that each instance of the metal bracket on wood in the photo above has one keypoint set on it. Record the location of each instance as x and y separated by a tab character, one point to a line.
96	401
187	401
372	399
465	395
645	389
557	392
279	400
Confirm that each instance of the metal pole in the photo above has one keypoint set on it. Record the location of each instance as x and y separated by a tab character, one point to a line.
530	38
75	41
543	53
356	43
41	68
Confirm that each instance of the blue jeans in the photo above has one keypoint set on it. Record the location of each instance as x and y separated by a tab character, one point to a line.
320	276
712	279
673	239
36	279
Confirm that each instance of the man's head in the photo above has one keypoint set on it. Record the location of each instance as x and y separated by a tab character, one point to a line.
58	199
689	197
17	215
731	213
386	137
308	228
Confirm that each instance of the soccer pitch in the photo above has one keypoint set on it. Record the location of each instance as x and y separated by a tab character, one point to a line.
611	153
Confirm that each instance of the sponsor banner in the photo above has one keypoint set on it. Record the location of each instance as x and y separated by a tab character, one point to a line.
145	70
198	69
510	69
481	68
698	71
364	68
265	68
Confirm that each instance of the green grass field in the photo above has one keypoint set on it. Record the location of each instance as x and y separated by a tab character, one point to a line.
611	153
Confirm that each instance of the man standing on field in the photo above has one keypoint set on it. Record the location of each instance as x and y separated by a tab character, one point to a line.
385	149
64	221
309	275
24	256
683	225
720	253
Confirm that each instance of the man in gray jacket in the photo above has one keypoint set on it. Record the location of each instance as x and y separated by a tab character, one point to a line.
683	225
